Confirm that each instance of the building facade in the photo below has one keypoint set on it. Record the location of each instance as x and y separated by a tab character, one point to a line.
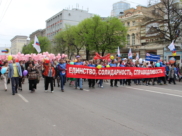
66	17
178	42
133	20
119	8
17	43
143	36
40	32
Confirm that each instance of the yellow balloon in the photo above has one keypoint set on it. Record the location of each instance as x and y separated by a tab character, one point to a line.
111	57
10	57
174	54
99	66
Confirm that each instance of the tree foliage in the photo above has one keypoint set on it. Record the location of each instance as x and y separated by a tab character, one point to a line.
93	35
44	45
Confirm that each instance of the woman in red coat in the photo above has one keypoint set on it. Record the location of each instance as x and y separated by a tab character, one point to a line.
49	74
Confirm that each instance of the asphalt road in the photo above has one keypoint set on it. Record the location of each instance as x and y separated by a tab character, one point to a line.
123	111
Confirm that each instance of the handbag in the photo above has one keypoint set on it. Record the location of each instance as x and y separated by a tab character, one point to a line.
8	81
37	81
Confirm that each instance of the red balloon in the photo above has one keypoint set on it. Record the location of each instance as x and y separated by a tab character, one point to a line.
95	58
47	61
17	60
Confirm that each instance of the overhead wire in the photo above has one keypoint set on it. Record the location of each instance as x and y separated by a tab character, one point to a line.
5	11
4	6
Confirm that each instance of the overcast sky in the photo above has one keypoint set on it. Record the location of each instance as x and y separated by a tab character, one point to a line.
26	16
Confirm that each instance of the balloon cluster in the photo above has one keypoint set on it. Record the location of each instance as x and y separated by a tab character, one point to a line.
174	52
36	57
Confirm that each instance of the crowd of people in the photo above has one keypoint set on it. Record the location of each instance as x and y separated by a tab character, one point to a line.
55	71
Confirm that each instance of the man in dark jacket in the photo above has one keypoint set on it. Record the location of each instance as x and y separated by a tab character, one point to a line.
62	73
28	62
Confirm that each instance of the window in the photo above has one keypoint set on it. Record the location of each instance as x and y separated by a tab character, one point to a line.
128	23
133	39
133	23
128	39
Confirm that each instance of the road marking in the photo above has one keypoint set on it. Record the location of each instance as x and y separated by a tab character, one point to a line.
167	89
156	92
23	98
86	90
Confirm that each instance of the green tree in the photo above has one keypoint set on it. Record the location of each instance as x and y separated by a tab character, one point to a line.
28	49
67	41
102	36
44	45
113	35
60	43
89	34
92	35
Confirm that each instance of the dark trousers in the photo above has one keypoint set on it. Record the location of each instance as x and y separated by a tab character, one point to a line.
137	81
128	82
32	85
146	80
14	84
101	82
162	79
122	81
47	81
115	82
91	82
62	81
54	82
20	82
172	80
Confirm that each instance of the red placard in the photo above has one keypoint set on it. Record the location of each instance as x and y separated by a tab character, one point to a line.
77	71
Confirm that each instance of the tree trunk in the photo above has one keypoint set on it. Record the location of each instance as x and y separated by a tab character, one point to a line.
103	52
87	54
77	51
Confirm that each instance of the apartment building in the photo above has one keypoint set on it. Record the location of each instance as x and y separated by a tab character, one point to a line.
59	21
